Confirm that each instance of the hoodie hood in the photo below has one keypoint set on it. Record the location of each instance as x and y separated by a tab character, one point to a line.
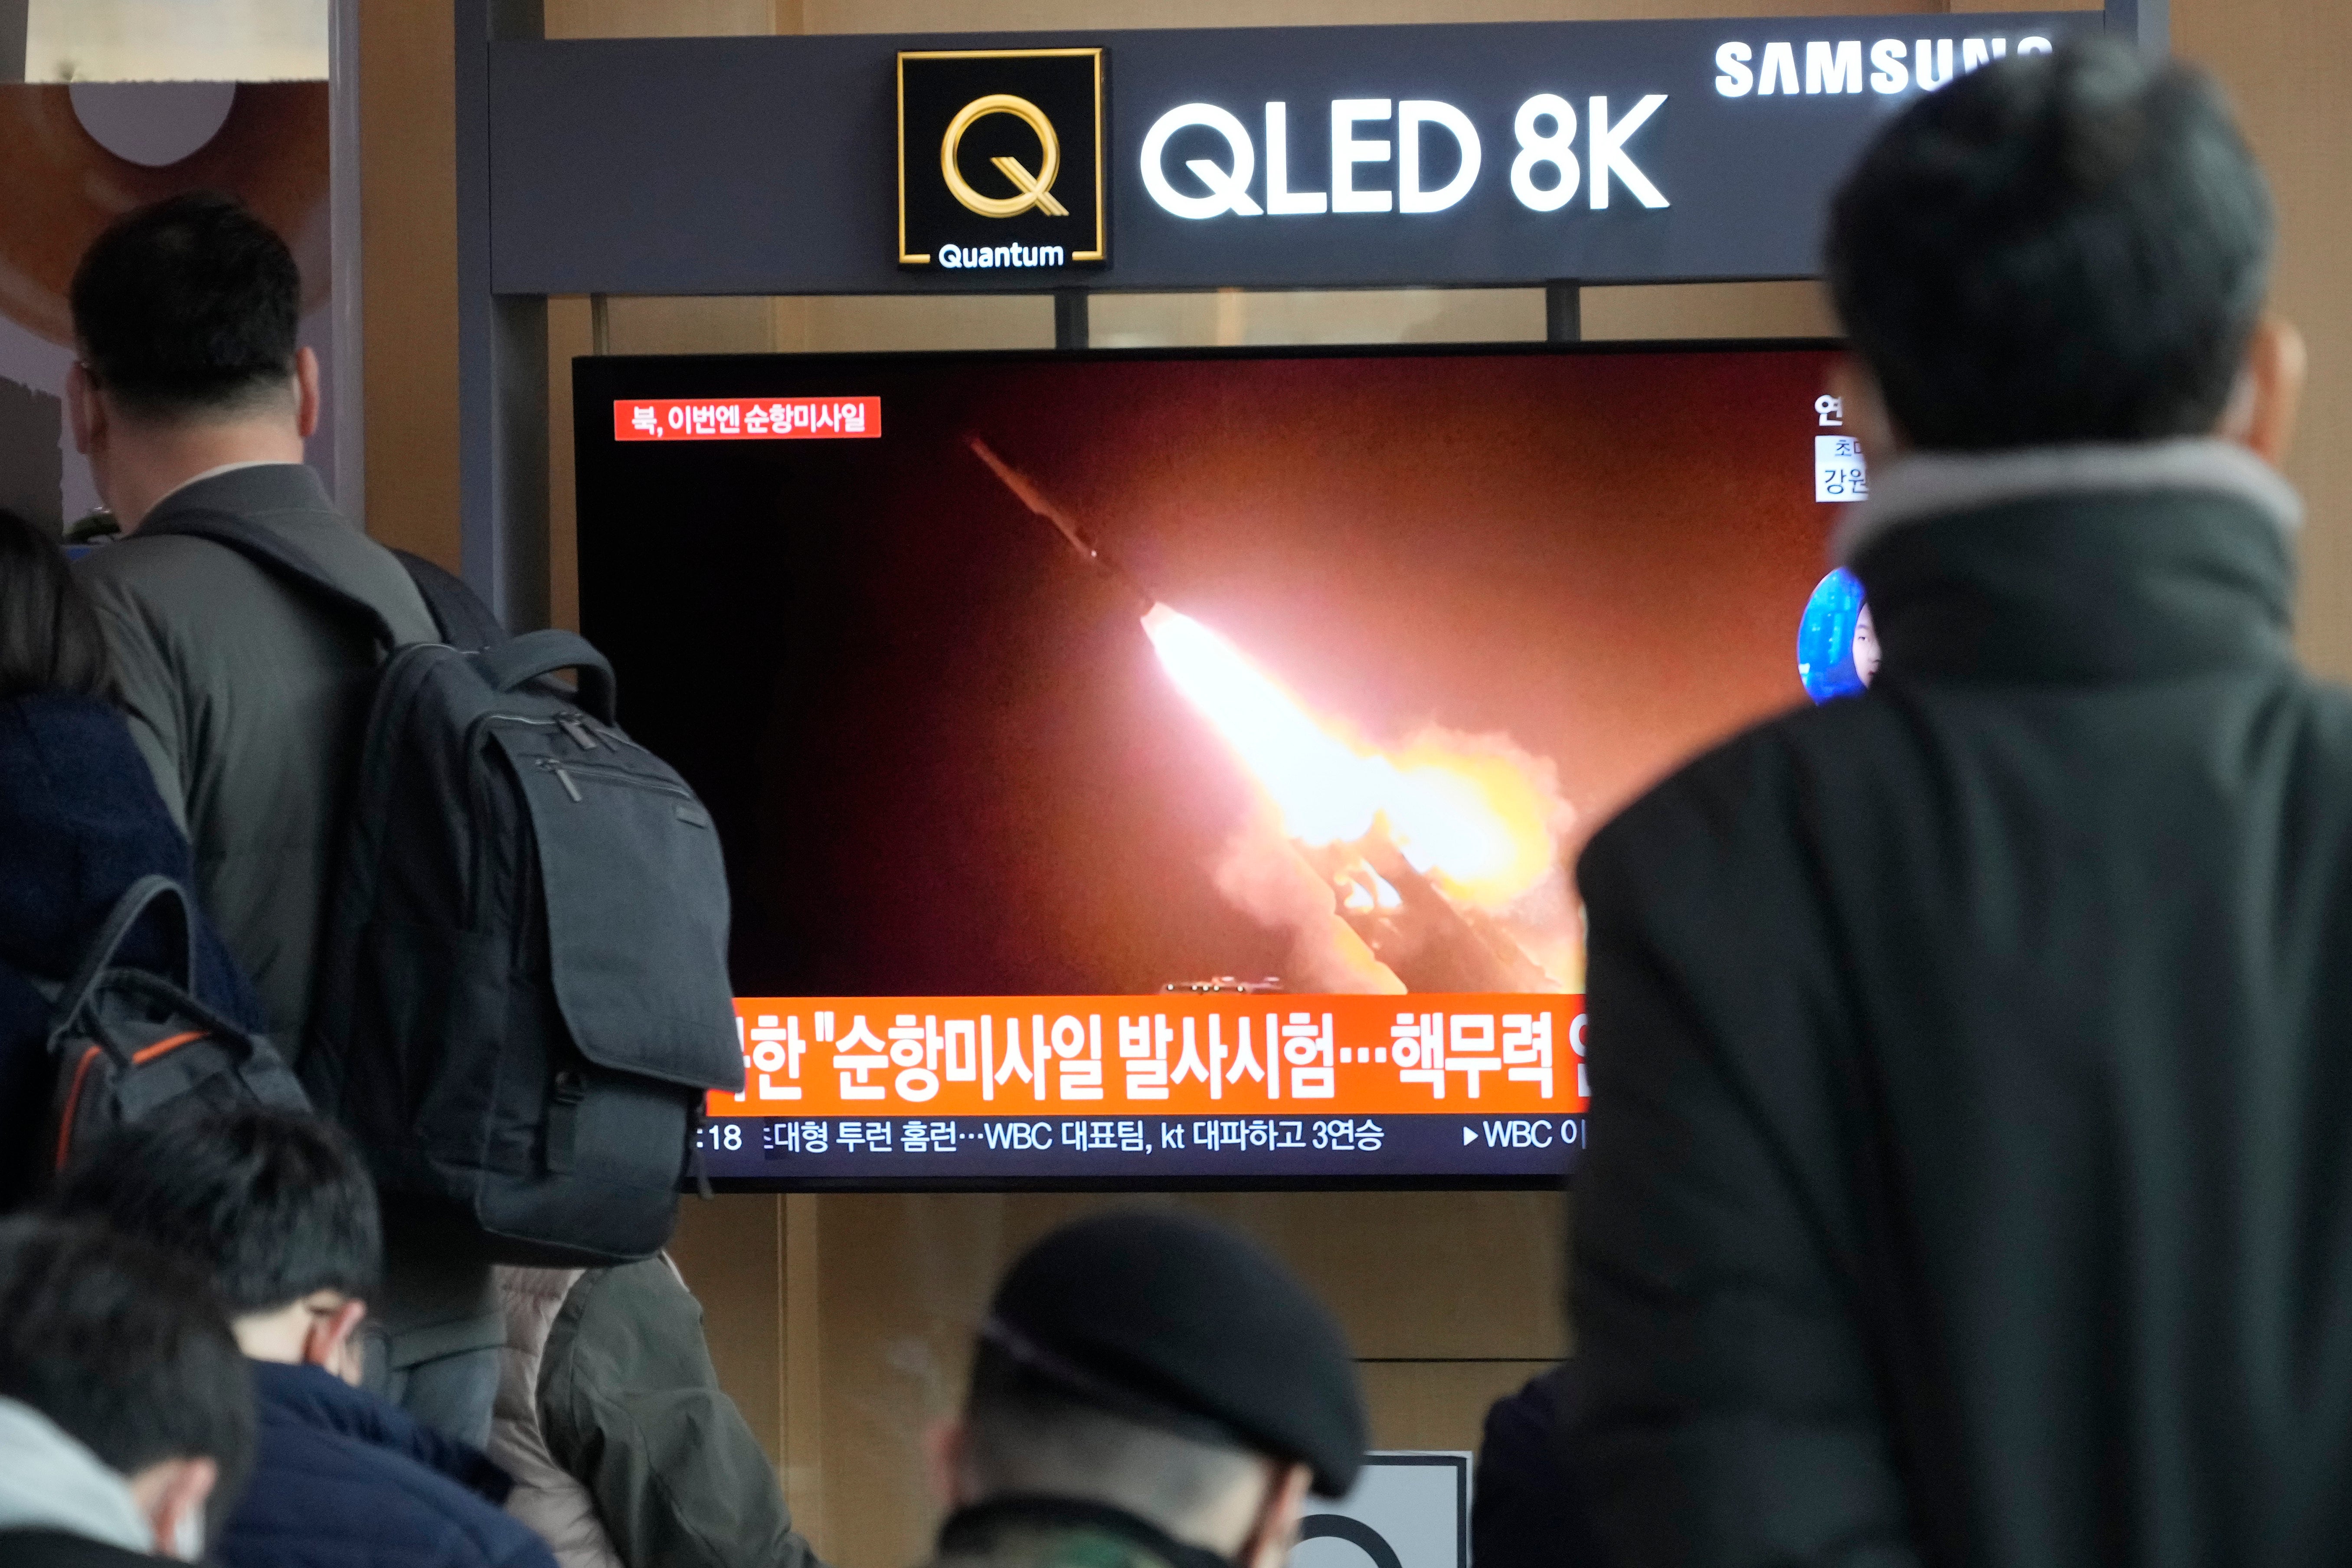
81	820
49	1481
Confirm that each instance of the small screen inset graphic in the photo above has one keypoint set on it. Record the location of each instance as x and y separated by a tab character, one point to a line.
1837	646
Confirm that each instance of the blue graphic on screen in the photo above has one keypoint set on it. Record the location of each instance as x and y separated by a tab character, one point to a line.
1837	647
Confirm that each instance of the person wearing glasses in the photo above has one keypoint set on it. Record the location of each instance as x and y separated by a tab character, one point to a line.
278	1209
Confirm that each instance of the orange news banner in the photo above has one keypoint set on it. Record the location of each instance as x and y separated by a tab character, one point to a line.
1180	1053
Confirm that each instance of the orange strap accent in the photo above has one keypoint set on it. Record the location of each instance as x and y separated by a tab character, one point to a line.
81	1072
160	1047
73	1103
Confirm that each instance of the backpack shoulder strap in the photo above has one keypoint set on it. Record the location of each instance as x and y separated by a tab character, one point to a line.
465	622
101	952
282	558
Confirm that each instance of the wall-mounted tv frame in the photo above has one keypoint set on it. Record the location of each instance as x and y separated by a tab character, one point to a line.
1158	769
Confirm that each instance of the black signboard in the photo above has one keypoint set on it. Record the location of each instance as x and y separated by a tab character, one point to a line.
1001	160
1487	154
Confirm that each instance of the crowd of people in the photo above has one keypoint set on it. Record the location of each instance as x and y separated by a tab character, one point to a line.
1965	1178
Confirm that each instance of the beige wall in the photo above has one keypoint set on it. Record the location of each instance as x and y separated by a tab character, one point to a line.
840	1322
2289	65
408	242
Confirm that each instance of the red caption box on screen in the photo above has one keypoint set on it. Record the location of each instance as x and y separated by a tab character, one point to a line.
1177	1054
747	418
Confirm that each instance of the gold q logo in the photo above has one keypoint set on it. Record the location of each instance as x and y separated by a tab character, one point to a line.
1035	190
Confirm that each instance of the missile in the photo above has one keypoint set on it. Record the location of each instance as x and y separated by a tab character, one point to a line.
1035	500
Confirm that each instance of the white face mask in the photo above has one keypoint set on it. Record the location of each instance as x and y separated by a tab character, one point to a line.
188	1536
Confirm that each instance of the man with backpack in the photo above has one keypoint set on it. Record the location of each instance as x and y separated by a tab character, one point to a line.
191	399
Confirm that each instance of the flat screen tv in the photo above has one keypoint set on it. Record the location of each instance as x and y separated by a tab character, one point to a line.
1161	769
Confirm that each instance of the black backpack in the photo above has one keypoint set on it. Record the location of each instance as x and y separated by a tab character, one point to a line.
522	994
125	1043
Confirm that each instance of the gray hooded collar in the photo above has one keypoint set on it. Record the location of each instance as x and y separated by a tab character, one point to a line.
49	1481
1922	485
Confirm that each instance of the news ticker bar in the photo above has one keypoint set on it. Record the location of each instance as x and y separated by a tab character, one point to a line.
1042	1147
1180	1053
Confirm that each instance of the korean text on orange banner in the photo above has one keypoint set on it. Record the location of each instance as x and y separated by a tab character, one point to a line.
1176	1054
746	419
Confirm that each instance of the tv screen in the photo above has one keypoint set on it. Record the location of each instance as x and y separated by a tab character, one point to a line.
1166	769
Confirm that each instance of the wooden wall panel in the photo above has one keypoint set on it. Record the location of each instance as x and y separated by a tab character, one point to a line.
2288	63
731	1250
408	237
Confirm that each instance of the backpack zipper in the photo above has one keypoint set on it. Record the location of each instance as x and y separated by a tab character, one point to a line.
567	774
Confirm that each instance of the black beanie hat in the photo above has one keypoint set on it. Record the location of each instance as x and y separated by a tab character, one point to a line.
1178	1322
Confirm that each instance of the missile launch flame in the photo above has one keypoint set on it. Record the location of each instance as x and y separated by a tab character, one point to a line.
1475	824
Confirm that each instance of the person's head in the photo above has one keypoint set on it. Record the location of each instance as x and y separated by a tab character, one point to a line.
122	1348
185	315
275	1204
49	634
2064	247
1162	1365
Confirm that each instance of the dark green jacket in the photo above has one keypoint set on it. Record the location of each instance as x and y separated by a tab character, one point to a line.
1060	1533
624	1449
1971	1065
247	701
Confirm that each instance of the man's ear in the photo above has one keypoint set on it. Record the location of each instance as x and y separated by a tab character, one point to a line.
84	409
1277	1530
945	1444
306	392
1865	416
2269	393
171	1494
331	1341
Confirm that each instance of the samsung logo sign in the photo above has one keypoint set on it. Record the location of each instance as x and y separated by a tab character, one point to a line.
1837	67
1381	157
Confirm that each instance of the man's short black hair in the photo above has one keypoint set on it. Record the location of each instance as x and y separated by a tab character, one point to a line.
2057	247
188	309
277	1204
124	1347
50	639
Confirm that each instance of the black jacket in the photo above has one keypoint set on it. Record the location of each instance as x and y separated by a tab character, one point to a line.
341	1477
1971	1065
79	822
1528	1509
58	1549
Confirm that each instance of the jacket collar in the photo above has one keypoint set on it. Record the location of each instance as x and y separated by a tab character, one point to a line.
312	1397
982	1531
246	488
2082	589
1922	485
